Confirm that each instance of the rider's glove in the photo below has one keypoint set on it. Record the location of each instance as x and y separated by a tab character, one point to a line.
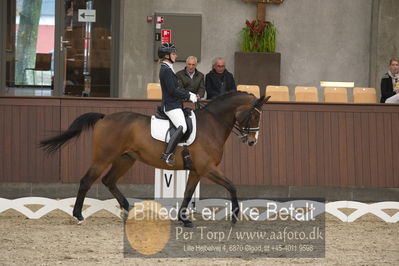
193	97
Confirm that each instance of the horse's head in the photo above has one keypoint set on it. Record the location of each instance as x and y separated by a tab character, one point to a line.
248	119
240	110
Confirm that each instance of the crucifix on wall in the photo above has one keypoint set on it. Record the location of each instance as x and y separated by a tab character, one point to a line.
261	10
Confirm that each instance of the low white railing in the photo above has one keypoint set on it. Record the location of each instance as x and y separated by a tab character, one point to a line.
94	205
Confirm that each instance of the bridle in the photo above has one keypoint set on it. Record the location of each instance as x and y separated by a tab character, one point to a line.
241	132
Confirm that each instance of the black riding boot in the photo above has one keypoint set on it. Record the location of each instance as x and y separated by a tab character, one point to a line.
168	156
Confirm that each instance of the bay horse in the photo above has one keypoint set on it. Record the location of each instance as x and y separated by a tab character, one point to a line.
119	139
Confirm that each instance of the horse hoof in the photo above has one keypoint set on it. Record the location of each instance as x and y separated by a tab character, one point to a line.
79	218
80	221
234	220
124	214
188	224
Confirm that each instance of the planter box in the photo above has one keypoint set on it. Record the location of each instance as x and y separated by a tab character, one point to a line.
260	69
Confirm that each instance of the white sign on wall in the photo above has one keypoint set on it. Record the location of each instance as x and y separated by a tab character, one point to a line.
87	15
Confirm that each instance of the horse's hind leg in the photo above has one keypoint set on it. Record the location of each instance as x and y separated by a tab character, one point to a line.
192	183
85	183
119	167
217	176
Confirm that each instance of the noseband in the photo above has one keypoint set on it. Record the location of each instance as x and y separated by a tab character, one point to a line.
243	132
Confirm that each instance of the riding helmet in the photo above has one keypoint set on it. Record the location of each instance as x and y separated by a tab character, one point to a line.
166	49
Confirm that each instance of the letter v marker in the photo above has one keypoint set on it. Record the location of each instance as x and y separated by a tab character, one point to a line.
166	179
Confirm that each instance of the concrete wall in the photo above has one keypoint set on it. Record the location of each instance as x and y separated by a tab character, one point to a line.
219	36
318	39
3	28
385	38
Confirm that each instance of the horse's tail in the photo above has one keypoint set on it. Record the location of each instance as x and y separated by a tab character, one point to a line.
83	122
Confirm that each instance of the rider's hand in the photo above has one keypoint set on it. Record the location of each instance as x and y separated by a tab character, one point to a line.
193	98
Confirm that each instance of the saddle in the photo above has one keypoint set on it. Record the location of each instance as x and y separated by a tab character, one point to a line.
162	128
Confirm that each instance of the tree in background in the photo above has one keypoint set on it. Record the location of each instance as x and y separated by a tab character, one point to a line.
27	39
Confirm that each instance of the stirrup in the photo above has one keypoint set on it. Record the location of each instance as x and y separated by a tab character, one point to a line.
169	159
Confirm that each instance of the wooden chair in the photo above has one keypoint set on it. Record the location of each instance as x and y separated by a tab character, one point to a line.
335	95
43	63
306	94
278	93
254	89
364	95
154	91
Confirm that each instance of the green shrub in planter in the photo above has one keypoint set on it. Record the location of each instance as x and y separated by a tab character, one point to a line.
258	36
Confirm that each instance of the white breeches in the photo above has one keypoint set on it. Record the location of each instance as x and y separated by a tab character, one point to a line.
177	118
393	99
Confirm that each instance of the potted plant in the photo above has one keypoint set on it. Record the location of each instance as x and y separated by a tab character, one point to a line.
257	63
258	36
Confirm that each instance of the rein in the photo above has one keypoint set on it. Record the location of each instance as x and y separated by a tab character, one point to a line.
240	132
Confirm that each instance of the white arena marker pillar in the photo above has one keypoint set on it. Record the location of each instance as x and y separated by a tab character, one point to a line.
172	183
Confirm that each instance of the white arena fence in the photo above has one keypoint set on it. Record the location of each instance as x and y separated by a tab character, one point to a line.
94	205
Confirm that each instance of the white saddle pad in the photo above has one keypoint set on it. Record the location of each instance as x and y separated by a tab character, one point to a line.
160	127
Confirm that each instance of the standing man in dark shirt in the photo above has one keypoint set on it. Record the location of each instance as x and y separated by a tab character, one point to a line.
191	79
219	81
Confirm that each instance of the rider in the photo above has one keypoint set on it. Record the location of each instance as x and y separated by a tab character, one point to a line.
172	99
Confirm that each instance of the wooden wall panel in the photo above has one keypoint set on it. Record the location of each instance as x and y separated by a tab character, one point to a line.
350	142
23	123
299	144
337	145
373	143
388	149
395	143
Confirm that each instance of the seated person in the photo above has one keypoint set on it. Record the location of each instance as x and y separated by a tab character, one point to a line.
219	81
191	79
390	83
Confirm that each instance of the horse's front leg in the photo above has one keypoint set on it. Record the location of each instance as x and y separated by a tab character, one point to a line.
192	183
217	176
